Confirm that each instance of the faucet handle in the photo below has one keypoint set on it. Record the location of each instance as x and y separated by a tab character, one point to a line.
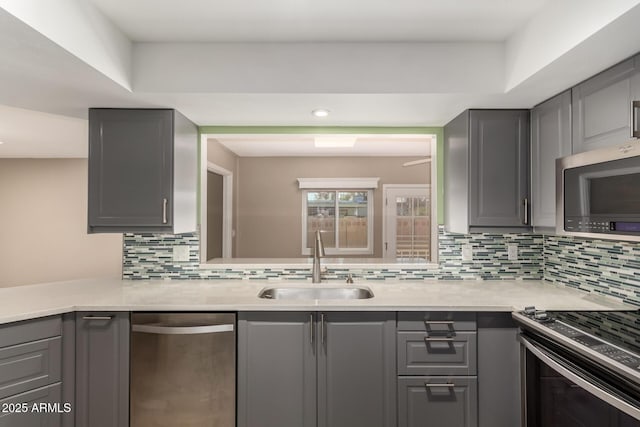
349	278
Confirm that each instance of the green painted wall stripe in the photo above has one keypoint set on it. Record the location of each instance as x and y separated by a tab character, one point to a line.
381	130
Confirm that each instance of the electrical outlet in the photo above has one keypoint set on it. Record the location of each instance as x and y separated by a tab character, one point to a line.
467	252
180	253
512	252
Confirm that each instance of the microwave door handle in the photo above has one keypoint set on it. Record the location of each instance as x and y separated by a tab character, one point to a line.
635	131
580	381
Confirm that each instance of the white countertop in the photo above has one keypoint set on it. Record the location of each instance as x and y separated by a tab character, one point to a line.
25	302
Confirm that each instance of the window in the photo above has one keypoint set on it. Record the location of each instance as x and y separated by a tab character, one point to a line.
344	218
342	210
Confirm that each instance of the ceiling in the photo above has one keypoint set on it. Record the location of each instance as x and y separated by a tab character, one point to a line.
307	145
404	63
318	21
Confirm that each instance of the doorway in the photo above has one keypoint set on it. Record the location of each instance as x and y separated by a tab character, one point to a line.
215	191
407	222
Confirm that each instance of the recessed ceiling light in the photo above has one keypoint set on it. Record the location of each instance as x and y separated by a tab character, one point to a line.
320	112
1	142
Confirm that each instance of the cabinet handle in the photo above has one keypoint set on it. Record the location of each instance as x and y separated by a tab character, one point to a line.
439	385
97	317
311	328
635	106
451	331
427	339
526	211
322	329
164	210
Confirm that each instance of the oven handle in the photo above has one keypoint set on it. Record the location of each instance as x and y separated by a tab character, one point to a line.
548	359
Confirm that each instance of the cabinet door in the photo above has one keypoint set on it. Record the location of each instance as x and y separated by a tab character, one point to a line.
102	369
437	402
498	371
50	395
602	107
550	139
130	170
498	168
356	370
276	370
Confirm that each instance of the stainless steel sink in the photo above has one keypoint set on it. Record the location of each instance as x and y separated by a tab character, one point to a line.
316	292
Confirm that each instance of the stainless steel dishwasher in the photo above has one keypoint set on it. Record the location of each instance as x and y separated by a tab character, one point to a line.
183	370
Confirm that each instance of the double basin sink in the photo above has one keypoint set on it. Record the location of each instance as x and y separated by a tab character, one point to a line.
322	292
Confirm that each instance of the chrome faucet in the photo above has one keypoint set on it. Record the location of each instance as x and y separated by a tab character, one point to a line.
318	252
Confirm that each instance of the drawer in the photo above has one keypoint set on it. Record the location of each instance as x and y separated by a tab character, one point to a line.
48	394
30	330
421	354
440	321
28	366
437	401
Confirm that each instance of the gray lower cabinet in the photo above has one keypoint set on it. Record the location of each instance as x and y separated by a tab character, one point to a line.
31	374
437	368
307	369
602	106
276	370
102	369
550	139
486	183
356	370
498	371
437	402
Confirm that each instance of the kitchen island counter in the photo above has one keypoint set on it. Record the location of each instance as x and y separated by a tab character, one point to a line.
26	302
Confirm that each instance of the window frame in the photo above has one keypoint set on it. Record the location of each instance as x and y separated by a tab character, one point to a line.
369	250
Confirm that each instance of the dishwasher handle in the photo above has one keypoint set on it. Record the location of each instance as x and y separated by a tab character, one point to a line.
157	328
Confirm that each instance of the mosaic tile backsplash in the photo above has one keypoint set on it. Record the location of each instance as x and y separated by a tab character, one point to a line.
605	267
150	256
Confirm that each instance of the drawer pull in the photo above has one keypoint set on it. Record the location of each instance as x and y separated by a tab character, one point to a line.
448	339
439	385
449	323
97	317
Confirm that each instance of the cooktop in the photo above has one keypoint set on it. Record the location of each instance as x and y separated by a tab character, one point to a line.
614	335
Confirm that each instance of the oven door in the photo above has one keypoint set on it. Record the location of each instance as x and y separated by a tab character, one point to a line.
557	392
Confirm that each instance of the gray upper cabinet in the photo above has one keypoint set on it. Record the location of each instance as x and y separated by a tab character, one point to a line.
102	369
142	171
314	369
550	139
356	370
602	106
486	154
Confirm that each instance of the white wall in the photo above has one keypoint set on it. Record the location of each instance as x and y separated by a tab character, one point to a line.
43	215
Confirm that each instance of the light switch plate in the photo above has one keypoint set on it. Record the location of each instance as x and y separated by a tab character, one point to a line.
512	252
467	252
180	253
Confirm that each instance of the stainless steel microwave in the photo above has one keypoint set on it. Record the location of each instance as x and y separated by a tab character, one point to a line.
598	193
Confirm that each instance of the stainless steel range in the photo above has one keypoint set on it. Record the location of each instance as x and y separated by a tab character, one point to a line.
580	368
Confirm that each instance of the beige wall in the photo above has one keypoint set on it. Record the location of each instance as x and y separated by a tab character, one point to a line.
43	212
270	204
